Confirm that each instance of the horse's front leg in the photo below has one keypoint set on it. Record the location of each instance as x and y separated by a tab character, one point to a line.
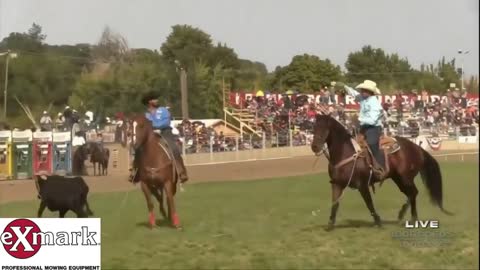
365	192
148	197
158	194
336	192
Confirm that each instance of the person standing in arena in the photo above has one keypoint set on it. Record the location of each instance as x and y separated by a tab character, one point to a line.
370	118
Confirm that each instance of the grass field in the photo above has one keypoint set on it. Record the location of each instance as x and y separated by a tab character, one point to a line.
269	224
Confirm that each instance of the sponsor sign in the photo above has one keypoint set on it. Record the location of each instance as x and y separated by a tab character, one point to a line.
50	243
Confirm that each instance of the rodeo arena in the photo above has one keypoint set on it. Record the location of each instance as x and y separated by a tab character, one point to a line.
263	134
182	154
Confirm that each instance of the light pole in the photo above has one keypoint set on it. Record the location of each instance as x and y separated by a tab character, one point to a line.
183	89
8	55
462	53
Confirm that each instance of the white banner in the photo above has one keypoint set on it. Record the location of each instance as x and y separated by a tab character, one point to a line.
467	139
50	243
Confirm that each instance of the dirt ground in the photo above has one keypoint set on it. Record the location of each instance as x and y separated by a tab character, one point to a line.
21	190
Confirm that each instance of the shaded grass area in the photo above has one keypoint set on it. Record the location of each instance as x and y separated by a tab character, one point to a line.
279	223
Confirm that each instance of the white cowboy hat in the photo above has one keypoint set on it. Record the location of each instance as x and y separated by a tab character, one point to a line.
369	86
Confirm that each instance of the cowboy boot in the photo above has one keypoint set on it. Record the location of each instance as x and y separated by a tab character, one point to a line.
378	171
182	170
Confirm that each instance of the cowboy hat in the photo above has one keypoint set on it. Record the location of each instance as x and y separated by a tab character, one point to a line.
148	97
369	86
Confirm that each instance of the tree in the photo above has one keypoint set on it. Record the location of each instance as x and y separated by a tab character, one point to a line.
388	71
111	47
306	73
249	75
223	55
31	41
35	33
186	45
472	85
122	85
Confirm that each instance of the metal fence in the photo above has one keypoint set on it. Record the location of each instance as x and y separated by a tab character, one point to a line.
211	144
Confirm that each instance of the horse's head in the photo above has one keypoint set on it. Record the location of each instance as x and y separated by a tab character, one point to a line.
321	131
139	129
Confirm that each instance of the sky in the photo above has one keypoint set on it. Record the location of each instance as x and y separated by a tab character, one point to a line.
269	31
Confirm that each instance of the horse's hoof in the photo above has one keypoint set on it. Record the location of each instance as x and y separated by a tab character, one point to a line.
378	222
176	227
330	227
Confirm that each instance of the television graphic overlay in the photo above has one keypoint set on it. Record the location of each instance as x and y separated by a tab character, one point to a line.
50	243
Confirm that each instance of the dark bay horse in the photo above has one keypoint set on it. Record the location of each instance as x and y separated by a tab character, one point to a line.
78	160
99	158
347	168
156	171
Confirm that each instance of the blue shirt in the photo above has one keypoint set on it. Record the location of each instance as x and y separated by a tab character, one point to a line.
160	118
371	111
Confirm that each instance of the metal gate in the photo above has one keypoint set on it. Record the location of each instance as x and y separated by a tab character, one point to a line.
22	154
5	154
62	153
42	153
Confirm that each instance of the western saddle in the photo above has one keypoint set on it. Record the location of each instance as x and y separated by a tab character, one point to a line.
389	145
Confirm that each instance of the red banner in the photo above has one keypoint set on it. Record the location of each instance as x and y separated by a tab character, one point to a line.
238	99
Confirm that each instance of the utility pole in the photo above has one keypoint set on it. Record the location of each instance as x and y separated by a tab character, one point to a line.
462	53
8	55
183	89
223	101
184	93
5	89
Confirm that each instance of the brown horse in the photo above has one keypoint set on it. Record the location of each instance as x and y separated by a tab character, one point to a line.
78	160
156	171
348	167
99	158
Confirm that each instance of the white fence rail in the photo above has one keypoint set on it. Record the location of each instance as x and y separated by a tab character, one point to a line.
462	155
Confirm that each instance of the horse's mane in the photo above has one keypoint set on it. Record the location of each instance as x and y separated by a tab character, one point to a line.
335	127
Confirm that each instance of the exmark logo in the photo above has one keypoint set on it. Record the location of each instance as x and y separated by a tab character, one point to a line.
23	238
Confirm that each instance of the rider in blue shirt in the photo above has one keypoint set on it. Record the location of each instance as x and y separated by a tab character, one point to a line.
370	118
160	118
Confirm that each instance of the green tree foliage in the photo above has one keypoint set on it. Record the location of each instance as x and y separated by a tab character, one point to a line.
391	72
306	73
39	76
186	45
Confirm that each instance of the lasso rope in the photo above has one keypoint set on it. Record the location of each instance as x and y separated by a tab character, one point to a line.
349	180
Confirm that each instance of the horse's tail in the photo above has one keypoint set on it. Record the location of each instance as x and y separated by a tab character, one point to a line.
432	178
